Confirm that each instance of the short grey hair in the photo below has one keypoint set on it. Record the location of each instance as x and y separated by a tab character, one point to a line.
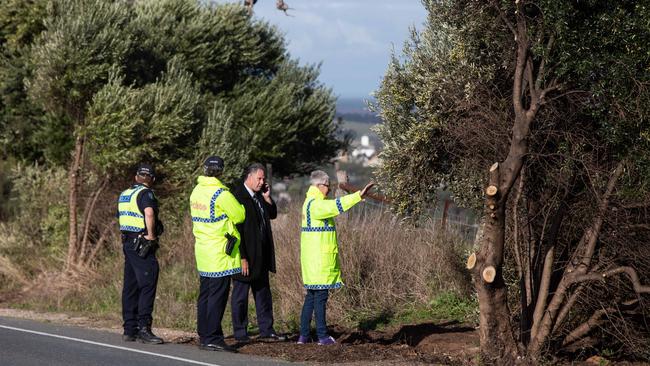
253	168
319	177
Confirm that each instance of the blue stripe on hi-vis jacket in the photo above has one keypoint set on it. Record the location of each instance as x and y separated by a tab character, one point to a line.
339	205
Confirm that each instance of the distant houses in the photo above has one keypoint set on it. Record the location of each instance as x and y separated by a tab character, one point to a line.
362	152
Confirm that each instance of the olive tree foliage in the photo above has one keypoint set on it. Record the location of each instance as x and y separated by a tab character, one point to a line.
127	124
24	133
221	46
553	98
82	43
169	82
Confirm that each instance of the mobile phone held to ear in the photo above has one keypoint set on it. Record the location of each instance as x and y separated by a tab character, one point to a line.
265	188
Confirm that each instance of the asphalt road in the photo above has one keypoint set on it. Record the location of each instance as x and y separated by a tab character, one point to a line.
32	343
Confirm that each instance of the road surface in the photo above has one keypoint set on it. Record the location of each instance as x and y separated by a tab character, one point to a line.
32	343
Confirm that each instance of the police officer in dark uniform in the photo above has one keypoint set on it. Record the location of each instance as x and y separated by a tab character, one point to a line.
138	217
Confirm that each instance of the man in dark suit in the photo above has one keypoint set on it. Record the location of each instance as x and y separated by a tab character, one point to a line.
257	256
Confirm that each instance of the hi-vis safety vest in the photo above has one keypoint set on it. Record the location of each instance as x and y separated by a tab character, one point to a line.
130	217
215	212
319	251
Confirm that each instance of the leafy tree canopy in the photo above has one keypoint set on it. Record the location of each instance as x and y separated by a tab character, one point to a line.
152	80
446	100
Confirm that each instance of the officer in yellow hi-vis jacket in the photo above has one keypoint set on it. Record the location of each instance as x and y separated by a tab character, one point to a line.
215	212
319	259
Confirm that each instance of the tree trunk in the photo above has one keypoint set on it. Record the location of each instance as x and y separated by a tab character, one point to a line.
498	344
73	202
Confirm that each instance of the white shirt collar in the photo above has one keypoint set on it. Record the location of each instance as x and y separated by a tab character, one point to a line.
250	191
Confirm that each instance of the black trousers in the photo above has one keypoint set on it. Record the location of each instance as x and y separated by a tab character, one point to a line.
139	289
213	298
263	306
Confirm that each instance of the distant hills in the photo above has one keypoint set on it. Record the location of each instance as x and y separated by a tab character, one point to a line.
355	109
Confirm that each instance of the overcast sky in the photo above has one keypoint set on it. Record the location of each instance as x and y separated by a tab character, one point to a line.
352	38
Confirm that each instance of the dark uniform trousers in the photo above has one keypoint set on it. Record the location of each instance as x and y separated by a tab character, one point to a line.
211	305
139	290
263	305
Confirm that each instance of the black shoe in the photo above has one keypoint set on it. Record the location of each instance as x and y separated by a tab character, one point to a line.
218	346
273	338
243	340
145	336
129	337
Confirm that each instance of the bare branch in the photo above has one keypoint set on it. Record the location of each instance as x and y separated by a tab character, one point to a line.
519	80
559	86
566	308
590	238
522	56
89	215
515	229
542	65
631	273
552	86
587	246
637	227
98	245
530	80
542	295
593	321
587	326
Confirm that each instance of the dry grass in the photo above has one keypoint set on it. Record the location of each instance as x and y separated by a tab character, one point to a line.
386	266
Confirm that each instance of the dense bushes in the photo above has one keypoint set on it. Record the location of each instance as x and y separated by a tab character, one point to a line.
33	239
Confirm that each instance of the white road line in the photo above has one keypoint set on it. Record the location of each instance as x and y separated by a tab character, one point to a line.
109	346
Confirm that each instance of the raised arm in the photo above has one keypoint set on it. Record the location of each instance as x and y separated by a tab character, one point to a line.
323	209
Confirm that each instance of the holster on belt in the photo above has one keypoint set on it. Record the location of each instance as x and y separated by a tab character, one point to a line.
143	247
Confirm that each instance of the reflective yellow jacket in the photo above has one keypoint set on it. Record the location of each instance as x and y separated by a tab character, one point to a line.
215	212
130	217
319	259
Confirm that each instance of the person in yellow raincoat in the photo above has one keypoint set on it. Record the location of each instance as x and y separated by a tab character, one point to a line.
319	259
215	212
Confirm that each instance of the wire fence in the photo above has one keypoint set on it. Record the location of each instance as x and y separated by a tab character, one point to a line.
465	225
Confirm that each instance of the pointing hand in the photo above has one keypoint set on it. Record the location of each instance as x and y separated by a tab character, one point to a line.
366	189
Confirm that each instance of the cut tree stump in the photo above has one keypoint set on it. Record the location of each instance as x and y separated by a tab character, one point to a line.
489	273
471	261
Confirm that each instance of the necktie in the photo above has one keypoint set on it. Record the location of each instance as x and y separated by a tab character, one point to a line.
259	205
261	211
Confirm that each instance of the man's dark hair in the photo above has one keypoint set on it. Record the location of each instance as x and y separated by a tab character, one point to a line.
212	171
252	169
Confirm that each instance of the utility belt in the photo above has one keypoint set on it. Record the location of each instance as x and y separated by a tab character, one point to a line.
141	246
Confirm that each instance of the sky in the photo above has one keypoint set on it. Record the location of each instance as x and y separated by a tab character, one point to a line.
353	39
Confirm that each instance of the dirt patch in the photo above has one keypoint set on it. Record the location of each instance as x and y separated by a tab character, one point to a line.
418	344
409	345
